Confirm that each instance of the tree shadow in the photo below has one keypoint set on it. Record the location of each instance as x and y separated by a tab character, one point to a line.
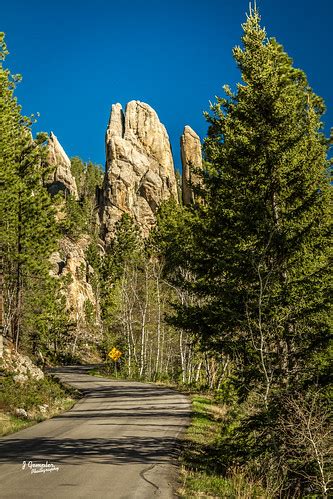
116	451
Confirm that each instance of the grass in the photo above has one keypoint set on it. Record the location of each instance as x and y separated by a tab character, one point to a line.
203	469
41	400
11	424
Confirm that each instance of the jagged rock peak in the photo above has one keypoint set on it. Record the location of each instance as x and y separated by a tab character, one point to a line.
139	166
143	127
190	148
57	152
61	178
116	126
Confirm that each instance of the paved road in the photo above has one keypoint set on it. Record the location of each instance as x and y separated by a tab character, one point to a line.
119	441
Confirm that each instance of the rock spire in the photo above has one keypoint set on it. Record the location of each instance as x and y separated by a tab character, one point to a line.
61	178
190	148
139	167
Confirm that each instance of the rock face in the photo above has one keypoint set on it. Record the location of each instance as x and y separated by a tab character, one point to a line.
20	365
139	167
190	148
61	178
80	297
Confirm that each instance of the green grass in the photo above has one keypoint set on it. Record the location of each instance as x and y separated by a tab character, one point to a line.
10	424
30	396
203	468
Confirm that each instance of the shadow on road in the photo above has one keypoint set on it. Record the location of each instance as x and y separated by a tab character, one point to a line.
73	369
146	417
129	450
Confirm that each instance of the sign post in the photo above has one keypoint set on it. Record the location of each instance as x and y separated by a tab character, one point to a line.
115	355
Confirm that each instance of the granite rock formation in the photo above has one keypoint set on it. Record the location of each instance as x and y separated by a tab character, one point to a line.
139	176
139	167
71	261
19	365
190	148
61	179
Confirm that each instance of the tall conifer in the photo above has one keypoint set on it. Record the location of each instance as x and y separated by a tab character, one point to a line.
28	226
261	259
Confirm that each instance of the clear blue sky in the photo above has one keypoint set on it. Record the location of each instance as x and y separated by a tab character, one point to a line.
79	57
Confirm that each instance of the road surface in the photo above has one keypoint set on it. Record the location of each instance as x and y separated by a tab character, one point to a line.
119	441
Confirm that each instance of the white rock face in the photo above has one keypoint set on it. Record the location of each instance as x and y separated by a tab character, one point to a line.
190	148
139	167
62	178
79	291
20	365
116	125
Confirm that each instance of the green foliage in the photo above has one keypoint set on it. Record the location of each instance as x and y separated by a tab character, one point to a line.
203	469
80	215
28	226
90	312
257	257
261	243
38	392
126	246
29	396
75	222
88	177
45	321
125	249
172	237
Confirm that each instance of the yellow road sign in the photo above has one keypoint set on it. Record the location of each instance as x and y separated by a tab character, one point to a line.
115	354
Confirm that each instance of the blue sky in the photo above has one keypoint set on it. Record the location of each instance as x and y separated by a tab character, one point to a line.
77	58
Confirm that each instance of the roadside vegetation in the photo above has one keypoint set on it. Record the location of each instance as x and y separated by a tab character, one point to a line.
25	404
204	455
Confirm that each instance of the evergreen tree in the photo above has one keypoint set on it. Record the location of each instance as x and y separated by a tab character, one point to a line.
260	263
262	245
81	215
28	230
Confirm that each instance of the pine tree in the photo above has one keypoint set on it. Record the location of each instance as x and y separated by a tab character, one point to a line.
262	246
261	257
28	230
81	215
